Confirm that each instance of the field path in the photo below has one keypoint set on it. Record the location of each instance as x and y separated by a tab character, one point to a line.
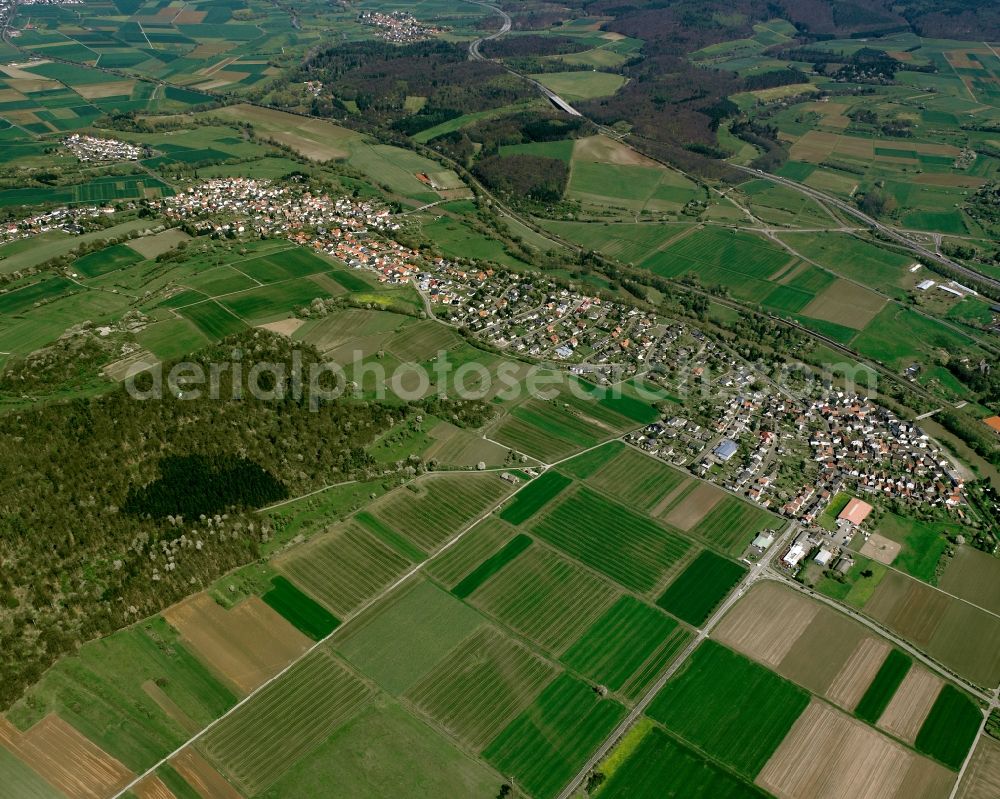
359	612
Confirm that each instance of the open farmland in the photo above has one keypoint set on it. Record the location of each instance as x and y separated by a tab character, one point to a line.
546	430
431	510
627	647
406	635
534	497
716	683
455	446
343	567
545	598
480	543
637	479
689	504
888	678
827	753
589	463
481	686
905	714
974	576
492	565
950	728
606	536
551	739
307	615
285	721
698	590
719	256
21	780
982	777
245	645
732	524
661	766
962	637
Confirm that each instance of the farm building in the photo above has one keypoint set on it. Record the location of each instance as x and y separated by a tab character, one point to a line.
855	512
993	422
763	540
824	557
923	285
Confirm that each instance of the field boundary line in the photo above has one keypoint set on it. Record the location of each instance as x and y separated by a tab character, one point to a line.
351	617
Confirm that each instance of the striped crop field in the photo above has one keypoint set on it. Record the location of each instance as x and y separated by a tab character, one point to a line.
546	598
883	687
611	539
285	721
481	686
533	497
492	565
548	430
636	479
732	524
699	589
481	542
627	647
343	568
551	740
432	510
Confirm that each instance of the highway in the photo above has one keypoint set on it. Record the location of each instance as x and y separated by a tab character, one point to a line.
475	55
886	230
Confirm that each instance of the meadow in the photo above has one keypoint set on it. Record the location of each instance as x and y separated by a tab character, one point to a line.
304	613
612	539
534	497
759	707
951	728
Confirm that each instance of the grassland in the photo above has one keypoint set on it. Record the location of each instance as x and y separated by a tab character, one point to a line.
636	479
611	539
922	544
715	683
661	766
285	721
303	612
587	464
888	678
545	598
481	686
434	509
951	727
545	746
699	589
534	497
627	647
573	86
476	546
144	679
406	635
975	576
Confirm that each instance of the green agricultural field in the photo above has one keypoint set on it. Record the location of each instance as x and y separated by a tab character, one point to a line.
951	727
21	782
385	751
422	341
627	647
22	299
612	539
660	766
889	677
390	537
547	744
108	690
573	86
479	544
636	479
699	589
533	497
897	336
406	635
285	721
732	524
546	430
545	598
430	511
587	464
213	320
343	568
480	687
304	613
118	256
712	248
284	265
491	566
923	544
274	300
758	707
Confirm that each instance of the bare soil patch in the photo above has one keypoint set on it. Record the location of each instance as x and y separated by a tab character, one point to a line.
818	656
153	788
766	623
17	71
202	776
909	607
95	91
66	759
829	755
982	777
695	506
911	703
604	150
880	548
158	243
845	303
283	327
858	672
661	507
246	645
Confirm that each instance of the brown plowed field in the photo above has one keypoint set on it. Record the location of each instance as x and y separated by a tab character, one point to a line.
766	623
202	776
152	788
858	672
982	777
911	703
695	506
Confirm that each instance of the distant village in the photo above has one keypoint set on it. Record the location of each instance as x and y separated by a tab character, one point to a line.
398	27
92	148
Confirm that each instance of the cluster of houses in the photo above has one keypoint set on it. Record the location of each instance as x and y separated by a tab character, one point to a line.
398	27
64	219
92	148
